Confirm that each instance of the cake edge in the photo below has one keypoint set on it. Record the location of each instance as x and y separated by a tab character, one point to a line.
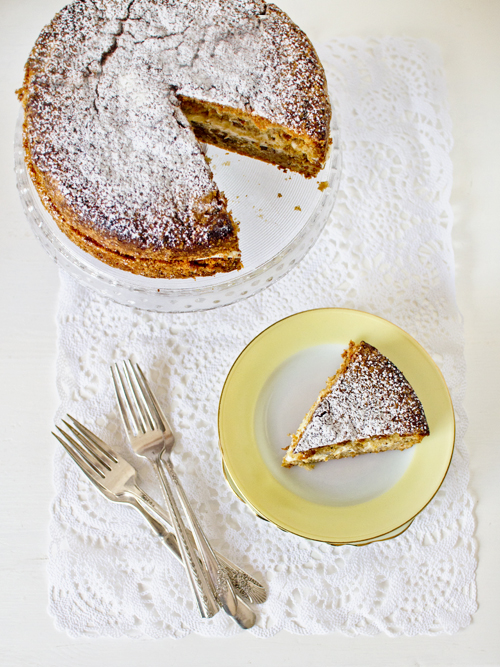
222	256
349	448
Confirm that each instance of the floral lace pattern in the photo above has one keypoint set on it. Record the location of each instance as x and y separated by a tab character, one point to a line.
386	250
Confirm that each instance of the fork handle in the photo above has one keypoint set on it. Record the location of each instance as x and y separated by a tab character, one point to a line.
224	590
245	617
168	538
244	585
200	586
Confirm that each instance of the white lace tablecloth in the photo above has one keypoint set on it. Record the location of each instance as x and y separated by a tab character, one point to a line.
387	250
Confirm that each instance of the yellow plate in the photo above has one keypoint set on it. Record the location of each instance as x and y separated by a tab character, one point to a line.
380	538
267	392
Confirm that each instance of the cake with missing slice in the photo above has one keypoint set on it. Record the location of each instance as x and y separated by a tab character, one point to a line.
118	95
367	406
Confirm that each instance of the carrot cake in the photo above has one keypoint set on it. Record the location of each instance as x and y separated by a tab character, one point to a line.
118	95
367	406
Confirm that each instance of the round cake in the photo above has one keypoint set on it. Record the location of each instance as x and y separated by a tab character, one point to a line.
119	99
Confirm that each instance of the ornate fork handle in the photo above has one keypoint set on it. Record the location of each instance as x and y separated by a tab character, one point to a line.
221	581
243	583
244	615
201	588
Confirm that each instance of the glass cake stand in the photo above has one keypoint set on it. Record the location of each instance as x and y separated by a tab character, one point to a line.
280	214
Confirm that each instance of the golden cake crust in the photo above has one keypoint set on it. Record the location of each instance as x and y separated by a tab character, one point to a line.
367	406
108	92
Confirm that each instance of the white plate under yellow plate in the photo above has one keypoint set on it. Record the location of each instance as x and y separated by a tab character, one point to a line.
270	388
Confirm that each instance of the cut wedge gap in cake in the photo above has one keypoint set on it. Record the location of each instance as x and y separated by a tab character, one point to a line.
368	406
254	136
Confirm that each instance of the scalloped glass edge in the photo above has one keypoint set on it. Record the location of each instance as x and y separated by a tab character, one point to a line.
161	299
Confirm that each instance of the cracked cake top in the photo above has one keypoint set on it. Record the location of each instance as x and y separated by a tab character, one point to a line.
103	123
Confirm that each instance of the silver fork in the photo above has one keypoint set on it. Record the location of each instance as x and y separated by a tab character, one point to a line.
150	436
117	481
122	487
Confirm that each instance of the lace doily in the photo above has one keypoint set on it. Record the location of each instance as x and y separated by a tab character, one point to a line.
387	250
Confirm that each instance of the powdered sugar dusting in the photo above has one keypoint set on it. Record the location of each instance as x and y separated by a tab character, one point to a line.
370	398
391	97
103	118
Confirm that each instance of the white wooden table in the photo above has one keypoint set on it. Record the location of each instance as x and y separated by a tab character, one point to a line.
467	31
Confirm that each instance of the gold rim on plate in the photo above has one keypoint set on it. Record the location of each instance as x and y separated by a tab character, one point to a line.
380	538
381	517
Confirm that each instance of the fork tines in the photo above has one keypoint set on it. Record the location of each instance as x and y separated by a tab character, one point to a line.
138	406
85	448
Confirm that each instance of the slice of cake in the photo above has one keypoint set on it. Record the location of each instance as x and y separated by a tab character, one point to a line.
367	406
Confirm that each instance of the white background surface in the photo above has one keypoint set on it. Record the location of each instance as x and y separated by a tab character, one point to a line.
467	31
